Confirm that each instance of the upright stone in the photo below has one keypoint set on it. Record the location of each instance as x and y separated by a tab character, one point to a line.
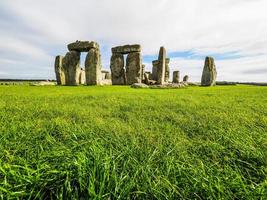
186	78
161	66
82	77
167	70
133	68
117	69
71	67
143	73
209	73
176	77
60	75
93	67
154	70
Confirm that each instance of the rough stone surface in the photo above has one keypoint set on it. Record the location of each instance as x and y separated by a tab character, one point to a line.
139	85
209	73
126	49
186	78
168	86
161	66
117	69
133	68
93	67
82	77
71	67
82	46
143	73
147	80
167	70
176	77
154	70
60	75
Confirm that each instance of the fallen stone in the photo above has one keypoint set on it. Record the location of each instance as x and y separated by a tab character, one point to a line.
82	46
209	73
126	49
139	85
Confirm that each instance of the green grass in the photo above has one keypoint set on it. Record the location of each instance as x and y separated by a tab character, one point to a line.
122	143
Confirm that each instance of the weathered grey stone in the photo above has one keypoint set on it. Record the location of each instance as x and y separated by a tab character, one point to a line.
186	78
60	75
133	68
143	73
167	71
71	67
176	77
161	66
108	76
82	76
168	86
139	85
93	67
209	73
117	69
154	70
147	80
126	49
82	46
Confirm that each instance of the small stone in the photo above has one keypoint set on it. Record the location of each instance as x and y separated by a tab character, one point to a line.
186	78
176	77
139	85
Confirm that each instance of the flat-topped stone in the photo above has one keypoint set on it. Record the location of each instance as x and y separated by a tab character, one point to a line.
82	46
126	49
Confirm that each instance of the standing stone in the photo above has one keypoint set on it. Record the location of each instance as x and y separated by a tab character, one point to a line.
117	69
133	68
60	75
161	66
186	78
71	67
108	76
167	70
82	77
176	77
209	73
154	70
143	73
93	67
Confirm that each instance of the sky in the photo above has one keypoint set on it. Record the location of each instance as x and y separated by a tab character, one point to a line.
234	32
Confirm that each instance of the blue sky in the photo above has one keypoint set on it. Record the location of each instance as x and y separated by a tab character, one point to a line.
33	32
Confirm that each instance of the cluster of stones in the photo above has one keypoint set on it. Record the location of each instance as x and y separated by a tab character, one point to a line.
130	73
68	70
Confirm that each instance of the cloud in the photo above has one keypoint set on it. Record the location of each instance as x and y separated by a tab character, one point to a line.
35	31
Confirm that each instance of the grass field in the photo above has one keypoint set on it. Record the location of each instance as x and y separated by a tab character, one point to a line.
123	143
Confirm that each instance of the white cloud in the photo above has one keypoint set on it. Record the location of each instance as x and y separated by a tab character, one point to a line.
45	27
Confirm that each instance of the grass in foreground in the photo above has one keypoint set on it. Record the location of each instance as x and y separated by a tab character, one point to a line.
123	143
